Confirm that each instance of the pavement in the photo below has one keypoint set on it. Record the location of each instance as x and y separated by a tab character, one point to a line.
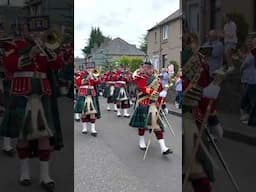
62	162
233	128
113	162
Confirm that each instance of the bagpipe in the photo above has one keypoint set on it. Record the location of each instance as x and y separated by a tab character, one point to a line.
192	95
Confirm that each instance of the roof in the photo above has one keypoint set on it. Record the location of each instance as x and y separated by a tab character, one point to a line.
176	15
118	46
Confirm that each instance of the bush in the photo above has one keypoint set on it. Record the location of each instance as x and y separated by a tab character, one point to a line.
135	63
176	67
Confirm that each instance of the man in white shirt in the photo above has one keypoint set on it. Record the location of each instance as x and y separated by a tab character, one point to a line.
230	40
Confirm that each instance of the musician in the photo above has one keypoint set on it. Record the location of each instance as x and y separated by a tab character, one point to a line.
29	116
148	103
78	80
196	94
121	94
110	89
66	74
5	82
88	101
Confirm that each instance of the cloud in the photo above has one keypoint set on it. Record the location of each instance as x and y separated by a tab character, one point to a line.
128	20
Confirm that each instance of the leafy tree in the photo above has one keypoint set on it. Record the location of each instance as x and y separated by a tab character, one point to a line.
135	63
175	66
96	38
124	60
144	43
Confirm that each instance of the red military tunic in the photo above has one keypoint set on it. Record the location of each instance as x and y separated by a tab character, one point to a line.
88	87
142	84
22	75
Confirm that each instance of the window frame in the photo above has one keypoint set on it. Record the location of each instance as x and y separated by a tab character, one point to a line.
165	29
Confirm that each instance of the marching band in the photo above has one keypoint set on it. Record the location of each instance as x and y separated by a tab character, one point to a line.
31	66
116	87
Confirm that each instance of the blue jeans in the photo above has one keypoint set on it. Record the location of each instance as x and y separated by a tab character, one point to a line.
252	97
178	98
245	101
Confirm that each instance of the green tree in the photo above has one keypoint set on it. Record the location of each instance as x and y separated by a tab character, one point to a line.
96	38
125	61
144	43
135	63
175	66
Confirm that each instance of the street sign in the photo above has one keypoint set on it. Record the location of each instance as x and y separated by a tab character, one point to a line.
40	23
89	65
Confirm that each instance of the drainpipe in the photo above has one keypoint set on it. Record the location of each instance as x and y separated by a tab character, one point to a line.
160	49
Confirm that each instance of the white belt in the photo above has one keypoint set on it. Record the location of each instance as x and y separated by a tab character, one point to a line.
110	82
87	87
38	75
121	82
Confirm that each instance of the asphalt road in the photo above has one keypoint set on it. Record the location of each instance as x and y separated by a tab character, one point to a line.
62	162
112	161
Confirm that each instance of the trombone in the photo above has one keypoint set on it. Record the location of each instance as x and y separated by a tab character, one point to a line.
52	43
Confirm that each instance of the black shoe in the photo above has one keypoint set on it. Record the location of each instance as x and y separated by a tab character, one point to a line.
84	132
94	134
143	148
77	120
49	187
168	151
127	116
9	153
25	182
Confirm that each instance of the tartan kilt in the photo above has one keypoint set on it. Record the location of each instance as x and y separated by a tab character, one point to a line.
116	92
6	93
139	118
14	117
105	91
79	106
102	86
110	99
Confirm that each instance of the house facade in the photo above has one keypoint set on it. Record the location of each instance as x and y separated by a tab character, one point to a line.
164	41
10	14
60	12
202	15
112	49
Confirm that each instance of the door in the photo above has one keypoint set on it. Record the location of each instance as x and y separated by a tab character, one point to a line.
156	62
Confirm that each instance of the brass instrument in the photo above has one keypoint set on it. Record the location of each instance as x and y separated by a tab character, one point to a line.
96	72
52	40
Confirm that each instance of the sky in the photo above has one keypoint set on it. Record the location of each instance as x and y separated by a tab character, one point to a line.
127	19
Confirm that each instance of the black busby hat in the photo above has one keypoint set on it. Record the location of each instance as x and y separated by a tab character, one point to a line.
147	61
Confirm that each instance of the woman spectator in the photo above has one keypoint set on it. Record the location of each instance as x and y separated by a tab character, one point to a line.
178	88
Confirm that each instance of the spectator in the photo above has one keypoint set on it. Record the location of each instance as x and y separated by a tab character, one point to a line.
171	70
214	61
178	88
164	77
230	40
252	88
248	78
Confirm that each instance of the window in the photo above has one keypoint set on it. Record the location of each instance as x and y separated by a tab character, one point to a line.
165	32
164	60
155	36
